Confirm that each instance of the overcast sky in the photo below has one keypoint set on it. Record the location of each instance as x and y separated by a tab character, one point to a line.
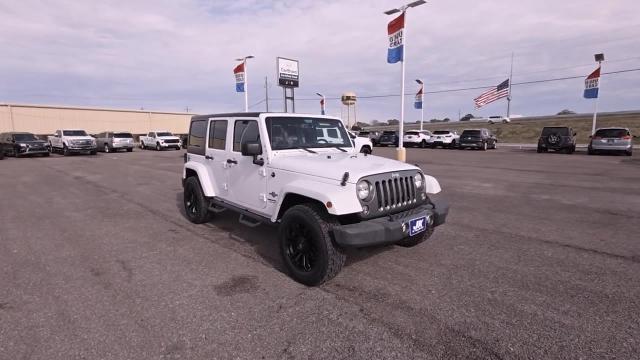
167	55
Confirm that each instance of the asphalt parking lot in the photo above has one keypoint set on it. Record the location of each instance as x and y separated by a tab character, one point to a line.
540	258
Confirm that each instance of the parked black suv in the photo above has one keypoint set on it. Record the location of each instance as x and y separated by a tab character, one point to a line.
558	138
22	144
477	139
388	138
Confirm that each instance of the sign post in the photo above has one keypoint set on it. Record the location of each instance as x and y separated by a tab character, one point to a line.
419	102
242	84
592	89
288	79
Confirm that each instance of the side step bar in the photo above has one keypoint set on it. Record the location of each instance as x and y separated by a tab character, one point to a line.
246	217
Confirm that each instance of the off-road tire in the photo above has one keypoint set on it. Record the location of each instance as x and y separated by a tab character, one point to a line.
366	150
411	241
196	206
318	224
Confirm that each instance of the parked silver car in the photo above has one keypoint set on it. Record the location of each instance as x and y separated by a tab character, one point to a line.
611	140
113	141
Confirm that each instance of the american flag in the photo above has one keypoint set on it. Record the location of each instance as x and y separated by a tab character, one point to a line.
492	94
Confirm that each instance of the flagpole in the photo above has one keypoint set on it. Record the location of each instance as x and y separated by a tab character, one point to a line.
595	111
246	87
422	111
510	83
402	154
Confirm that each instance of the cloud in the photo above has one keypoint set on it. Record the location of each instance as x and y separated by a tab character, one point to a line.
167	55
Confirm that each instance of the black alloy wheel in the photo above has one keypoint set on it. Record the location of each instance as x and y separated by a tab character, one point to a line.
306	244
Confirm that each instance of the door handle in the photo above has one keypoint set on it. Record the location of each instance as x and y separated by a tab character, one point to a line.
208	157
231	161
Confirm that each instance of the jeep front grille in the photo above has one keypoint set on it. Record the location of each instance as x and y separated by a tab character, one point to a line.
395	192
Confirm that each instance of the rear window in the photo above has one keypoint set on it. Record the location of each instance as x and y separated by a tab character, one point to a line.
388	133
562	131
122	136
612	133
441	132
471	133
412	133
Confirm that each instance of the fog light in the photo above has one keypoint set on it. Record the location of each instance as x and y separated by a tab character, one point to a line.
430	220
365	210
404	227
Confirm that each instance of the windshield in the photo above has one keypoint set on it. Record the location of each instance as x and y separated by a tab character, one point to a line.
299	132
164	134
74	133
471	133
122	136
562	131
412	133
24	137
441	132
611	133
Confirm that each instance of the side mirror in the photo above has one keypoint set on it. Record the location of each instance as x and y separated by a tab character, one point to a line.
252	148
575	133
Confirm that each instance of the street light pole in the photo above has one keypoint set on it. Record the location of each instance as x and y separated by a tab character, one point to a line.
402	153
246	81
322	104
421	102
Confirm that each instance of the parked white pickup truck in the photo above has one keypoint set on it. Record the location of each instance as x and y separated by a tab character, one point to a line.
281	170
160	139
68	141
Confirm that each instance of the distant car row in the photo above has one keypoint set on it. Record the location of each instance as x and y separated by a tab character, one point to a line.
70	141
471	138
556	138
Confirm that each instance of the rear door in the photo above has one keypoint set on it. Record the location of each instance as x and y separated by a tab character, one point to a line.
216	155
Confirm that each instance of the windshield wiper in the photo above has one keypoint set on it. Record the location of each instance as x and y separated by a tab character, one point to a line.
307	149
339	148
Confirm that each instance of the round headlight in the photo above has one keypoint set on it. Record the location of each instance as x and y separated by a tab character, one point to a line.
418	181
364	189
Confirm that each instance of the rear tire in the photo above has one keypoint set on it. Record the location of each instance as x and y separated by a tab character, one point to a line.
484	146
196	206
142	145
306	244
106	148
158	148
130	150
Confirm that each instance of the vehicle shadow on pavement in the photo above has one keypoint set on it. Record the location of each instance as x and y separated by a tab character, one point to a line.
261	242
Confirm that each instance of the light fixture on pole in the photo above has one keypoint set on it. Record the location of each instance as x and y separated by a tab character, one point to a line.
246	81
420	101
397	49
322	104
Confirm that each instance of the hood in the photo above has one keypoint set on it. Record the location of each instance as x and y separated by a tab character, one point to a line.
168	137
357	165
79	137
33	142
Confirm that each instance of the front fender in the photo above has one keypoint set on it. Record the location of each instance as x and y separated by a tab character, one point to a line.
343	198
206	182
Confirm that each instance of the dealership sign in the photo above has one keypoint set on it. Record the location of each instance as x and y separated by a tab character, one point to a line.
288	73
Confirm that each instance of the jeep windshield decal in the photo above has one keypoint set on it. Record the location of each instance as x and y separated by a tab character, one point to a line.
304	133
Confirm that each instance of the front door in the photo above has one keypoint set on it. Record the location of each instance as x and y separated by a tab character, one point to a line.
247	181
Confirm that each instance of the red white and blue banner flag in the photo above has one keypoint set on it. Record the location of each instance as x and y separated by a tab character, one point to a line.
396	43
591	85
238	71
419	97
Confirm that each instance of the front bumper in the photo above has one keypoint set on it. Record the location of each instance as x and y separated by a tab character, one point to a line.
32	150
389	229
122	145
81	148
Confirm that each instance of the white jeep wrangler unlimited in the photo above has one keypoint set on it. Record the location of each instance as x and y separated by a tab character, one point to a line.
275	168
